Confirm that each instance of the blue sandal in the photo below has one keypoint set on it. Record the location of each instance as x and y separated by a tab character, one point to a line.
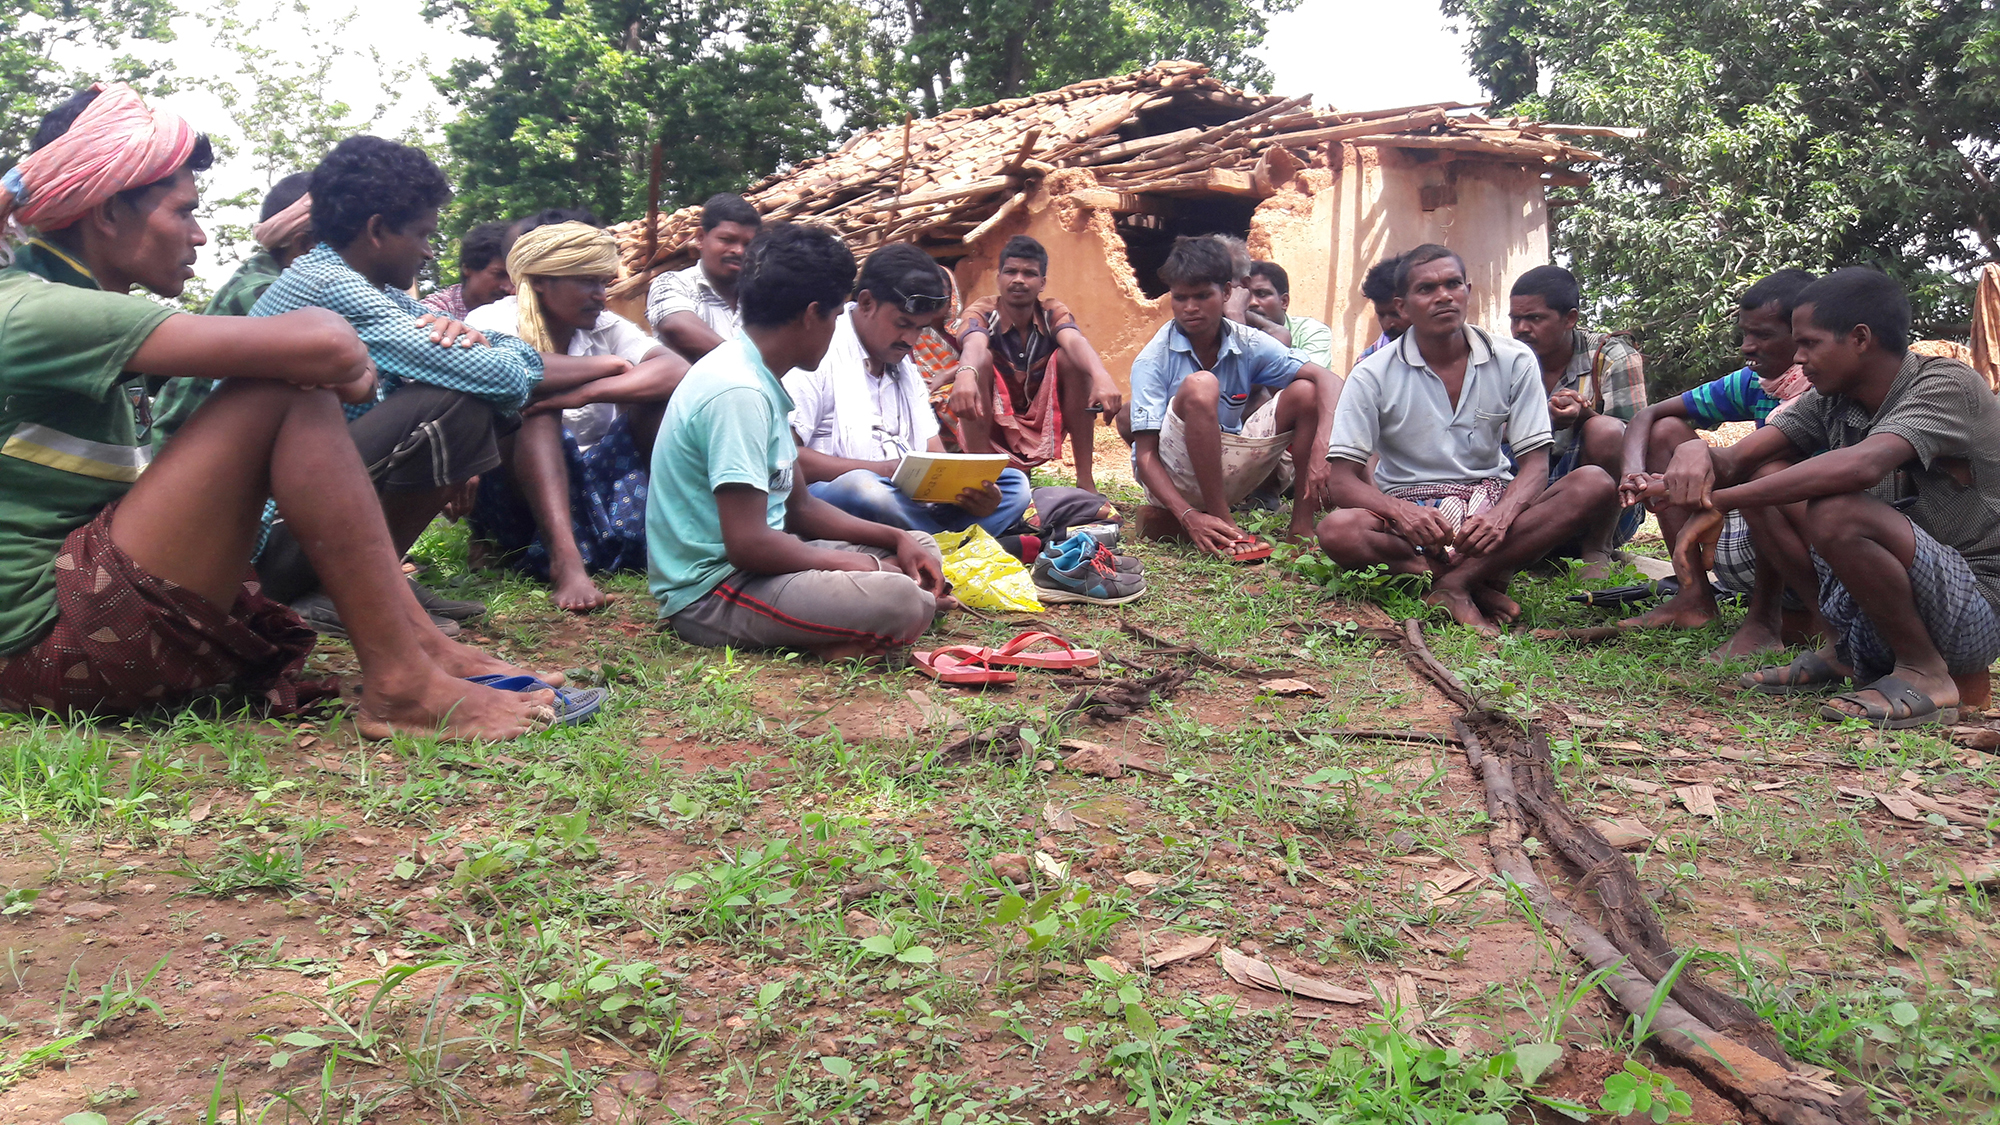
573	705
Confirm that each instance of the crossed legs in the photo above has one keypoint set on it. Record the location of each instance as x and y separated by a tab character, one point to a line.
194	516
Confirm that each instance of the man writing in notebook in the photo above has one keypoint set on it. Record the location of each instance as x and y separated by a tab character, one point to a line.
865	407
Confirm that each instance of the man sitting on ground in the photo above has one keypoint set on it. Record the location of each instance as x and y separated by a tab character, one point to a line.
694	310
482	271
282	234
1196	447
1759	558
125	590
443	389
1909	592
1271	298
1378	286
567	508
864	407
1439	409
1596	383
1026	373
739	556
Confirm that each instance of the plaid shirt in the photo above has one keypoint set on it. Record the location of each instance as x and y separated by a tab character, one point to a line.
1622	379
386	321
450	301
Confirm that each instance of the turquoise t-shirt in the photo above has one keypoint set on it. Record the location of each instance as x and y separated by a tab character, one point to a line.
726	424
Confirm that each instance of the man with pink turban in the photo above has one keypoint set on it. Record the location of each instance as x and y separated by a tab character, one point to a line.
123	577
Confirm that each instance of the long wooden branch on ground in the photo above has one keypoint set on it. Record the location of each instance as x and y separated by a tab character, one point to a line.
1642	956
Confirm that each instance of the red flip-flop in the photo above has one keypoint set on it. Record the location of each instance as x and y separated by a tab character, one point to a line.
1015	652
961	666
1255	551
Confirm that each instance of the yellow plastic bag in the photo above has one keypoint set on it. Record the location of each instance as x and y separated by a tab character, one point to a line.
983	575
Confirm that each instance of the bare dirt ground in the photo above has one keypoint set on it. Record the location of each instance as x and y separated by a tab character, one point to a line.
765	889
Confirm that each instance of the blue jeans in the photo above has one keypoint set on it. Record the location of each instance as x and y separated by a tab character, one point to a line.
872	497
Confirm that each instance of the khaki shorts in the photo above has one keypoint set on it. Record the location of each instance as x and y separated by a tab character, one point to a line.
1247	457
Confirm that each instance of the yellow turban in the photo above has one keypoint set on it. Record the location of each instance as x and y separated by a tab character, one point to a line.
557	250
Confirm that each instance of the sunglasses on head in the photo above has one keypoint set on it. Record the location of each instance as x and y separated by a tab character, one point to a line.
918	303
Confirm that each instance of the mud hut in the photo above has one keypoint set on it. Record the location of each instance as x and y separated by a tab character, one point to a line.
1107	172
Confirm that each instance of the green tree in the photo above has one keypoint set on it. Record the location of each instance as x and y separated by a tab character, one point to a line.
576	92
39	40
1816	135
282	110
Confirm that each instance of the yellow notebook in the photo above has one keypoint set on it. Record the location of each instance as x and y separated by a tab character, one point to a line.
938	478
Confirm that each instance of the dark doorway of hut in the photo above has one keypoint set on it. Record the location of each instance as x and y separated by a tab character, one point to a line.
1149	234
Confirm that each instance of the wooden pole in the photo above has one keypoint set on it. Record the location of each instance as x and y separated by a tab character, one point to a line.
653	209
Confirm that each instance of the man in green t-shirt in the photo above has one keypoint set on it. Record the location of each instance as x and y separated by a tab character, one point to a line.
123	584
178	398
739	556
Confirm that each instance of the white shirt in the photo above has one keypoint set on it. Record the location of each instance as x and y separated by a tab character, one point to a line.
688	290
843	410
611	335
1395	405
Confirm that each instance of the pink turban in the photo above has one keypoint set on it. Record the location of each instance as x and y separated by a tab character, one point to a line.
114	145
279	228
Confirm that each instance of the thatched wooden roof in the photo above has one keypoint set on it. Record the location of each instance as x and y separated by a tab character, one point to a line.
1167	130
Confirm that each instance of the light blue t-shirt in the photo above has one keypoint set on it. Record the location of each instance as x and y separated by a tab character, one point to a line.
1247	359
726	424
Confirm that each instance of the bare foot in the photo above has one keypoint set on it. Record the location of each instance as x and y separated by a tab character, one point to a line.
478	554
463	660
1752	638
1085	480
1596	568
1494	602
1462	609
574	591
452	708
1689	609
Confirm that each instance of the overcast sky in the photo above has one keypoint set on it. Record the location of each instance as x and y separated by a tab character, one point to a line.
1354	54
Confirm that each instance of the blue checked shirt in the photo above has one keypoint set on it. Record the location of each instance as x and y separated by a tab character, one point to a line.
386	321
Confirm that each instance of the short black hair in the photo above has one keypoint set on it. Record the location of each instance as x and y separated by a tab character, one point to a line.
365	176
478	247
1859	295
1198	261
1781	289
728	207
789	268
548	217
1555	285
1379	283
1275	273
284	193
1028	250
899	270
58	120
1422	256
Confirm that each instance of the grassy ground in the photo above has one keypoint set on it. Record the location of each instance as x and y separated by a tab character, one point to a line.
759	890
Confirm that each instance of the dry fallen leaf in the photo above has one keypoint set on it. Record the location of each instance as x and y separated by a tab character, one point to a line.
1409	1006
1185	948
1259	974
1114	963
1288	687
1058	818
1051	866
1892	928
199	811
860	925
1625	833
1100	760
1144	880
1699	799
1629	784
1445	883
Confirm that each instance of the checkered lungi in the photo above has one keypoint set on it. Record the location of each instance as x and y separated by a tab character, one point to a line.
1961	622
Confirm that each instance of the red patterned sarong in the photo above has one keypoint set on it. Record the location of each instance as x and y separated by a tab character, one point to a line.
126	640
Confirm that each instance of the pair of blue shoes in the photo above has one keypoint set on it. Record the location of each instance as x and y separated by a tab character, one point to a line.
1082	569
573	705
